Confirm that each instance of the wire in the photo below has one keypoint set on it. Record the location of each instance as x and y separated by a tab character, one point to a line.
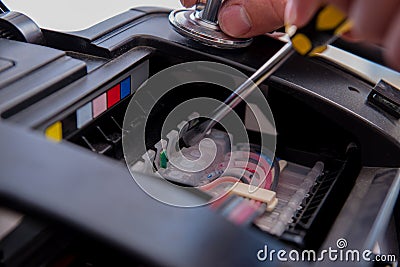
277	172
220	202
253	162
232	206
249	156
260	211
240	210
217	182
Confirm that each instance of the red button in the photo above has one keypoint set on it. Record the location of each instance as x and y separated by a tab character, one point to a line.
113	96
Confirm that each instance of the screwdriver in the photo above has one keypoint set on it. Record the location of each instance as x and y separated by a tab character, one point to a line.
324	28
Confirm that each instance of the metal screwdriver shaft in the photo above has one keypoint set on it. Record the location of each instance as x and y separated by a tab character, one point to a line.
323	29
210	12
252	83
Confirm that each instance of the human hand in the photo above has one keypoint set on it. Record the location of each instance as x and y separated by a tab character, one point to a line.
376	22
247	18
373	22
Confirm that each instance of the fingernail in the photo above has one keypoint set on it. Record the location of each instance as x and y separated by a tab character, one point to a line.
290	13
234	20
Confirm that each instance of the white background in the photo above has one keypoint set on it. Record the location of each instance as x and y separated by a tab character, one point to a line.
72	15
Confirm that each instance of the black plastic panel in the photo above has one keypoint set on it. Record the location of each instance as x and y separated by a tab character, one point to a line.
322	86
317	117
36	72
94	195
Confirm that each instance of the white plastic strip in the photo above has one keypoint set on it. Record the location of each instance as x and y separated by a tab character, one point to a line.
364	68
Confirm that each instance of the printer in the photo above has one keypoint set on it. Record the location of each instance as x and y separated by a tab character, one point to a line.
83	161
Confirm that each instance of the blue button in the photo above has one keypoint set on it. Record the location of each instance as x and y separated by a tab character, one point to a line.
125	87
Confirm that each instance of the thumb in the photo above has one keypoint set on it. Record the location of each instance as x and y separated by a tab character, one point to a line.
247	18
299	12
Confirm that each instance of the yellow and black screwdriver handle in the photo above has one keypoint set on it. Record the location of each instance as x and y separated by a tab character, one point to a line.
324	28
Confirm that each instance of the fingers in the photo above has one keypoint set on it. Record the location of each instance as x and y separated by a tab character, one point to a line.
372	20
392	42
247	18
188	3
377	22
299	12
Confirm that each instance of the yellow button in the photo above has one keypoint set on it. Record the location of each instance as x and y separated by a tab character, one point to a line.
345	27
329	18
301	44
317	50
54	132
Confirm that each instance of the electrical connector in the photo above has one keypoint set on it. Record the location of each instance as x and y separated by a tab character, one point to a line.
262	195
